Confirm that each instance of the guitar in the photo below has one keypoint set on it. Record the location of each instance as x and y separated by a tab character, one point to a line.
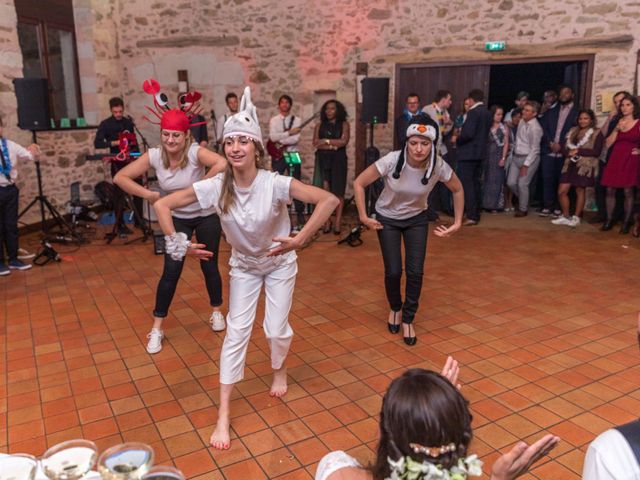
276	150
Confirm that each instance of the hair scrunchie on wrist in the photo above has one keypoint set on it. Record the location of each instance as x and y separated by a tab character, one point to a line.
176	245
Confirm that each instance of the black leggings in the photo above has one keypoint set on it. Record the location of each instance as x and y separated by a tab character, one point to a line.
207	232
414	231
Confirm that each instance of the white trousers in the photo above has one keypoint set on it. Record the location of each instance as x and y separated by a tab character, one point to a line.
247	275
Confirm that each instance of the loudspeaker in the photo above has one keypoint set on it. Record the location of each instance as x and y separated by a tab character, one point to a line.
33	103
375	100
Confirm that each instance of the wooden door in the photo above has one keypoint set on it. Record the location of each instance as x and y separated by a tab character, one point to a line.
427	80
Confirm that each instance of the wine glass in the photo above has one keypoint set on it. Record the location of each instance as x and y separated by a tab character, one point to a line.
162	472
126	461
69	460
19	466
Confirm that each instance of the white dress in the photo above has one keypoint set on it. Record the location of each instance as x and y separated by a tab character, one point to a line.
333	462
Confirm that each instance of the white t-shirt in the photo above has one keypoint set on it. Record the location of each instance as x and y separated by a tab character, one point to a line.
15	152
406	196
610	457
334	461
173	180
258	214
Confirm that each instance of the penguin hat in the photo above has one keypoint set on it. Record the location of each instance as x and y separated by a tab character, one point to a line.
245	122
423	126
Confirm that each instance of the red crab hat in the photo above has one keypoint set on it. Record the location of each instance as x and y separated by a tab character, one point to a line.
178	119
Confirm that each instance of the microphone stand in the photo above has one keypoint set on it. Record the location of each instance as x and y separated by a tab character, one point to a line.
146	228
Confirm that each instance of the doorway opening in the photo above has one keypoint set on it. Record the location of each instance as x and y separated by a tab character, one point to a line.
500	80
506	80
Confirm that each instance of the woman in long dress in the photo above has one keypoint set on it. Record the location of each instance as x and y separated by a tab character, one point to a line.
494	174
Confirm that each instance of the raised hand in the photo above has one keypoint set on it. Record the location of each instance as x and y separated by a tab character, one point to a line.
518	461
451	370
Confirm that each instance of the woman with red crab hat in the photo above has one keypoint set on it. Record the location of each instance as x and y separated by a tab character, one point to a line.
179	163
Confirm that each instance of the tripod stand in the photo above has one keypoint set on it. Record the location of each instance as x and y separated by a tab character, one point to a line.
44	202
123	203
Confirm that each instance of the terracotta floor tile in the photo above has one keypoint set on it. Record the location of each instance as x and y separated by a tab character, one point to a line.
538	353
245	469
100	429
292	432
262	442
339	439
195	463
133	420
321	422
96	412
182	444
309	451
278	462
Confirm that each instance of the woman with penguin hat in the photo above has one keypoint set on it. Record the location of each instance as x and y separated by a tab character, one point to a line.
409	175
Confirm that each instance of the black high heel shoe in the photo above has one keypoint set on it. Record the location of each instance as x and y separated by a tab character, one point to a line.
606	226
411	341
626	226
393	327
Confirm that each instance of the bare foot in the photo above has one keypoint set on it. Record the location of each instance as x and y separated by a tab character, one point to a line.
220	439
279	385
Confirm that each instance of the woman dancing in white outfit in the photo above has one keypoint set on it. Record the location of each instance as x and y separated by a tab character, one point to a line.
252	204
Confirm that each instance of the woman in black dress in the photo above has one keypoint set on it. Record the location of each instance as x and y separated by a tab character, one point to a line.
330	138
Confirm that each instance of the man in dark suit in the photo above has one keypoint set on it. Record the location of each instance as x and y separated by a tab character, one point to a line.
557	121
412	107
471	151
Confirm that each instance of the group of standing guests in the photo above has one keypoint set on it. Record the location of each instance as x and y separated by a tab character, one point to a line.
503	157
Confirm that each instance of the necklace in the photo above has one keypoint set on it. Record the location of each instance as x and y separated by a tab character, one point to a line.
583	141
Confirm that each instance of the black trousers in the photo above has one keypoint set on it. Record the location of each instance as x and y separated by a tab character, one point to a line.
9	196
551	169
207	232
413	231
470	173
282	168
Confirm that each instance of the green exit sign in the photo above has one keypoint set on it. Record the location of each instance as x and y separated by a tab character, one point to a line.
494	46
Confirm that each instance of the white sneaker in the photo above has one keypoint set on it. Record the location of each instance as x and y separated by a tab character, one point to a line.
25	255
562	220
155	337
575	221
217	321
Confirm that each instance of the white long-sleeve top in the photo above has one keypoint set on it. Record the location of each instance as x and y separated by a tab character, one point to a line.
278	133
15	152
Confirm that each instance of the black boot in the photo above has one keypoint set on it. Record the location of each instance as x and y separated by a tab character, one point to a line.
606	226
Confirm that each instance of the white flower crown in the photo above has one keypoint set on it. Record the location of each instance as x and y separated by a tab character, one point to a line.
406	468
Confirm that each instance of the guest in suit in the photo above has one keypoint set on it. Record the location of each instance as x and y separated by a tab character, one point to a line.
555	125
471	152
411	108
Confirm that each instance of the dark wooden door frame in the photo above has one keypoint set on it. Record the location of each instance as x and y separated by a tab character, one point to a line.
588	58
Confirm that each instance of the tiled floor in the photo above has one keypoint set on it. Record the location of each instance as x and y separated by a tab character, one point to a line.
541	318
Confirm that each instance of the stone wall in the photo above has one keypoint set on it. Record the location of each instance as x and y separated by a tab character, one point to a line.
307	48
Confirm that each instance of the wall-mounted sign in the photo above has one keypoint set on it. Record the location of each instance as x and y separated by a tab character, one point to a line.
494	46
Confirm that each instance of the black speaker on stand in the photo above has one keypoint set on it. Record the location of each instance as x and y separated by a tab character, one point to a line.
33	114
375	109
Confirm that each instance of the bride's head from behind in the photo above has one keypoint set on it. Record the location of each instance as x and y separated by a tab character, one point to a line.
423	417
